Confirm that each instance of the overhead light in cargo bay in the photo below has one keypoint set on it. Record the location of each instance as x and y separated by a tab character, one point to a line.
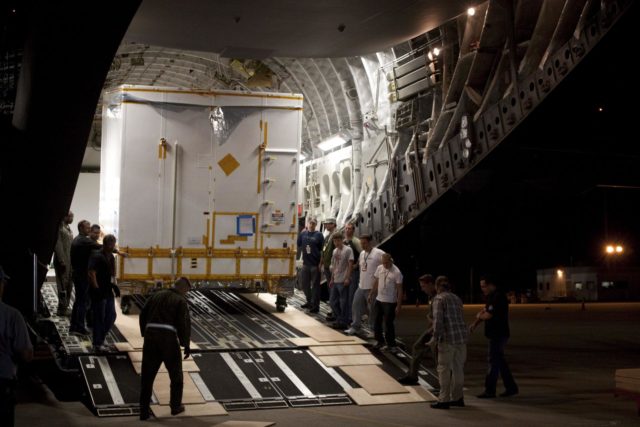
471	11
331	143
335	141
433	53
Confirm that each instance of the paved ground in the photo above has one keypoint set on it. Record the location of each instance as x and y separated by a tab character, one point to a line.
562	357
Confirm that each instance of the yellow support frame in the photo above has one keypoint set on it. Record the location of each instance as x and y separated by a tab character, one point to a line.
208	253
236	254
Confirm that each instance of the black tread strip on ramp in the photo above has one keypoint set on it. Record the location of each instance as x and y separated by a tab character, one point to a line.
311	372
127	378
280	380
96	383
225	385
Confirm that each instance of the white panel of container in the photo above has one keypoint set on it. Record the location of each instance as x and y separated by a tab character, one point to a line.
191	128
110	160
277	241
281	123
279	189
160	266
223	266
278	266
235	187
136	265
251	265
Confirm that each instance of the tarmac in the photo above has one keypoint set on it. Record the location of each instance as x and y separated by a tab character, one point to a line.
562	357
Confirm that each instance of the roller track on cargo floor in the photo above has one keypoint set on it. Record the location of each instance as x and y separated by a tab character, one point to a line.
245	359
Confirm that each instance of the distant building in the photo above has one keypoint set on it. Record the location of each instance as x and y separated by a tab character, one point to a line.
588	284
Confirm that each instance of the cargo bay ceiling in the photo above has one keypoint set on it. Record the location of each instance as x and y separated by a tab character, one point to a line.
331	51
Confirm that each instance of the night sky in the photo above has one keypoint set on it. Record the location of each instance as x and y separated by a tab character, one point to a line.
538	200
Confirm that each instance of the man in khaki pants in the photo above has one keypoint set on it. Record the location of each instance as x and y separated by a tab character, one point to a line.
450	333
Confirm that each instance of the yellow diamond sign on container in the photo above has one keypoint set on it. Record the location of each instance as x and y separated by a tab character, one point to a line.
228	164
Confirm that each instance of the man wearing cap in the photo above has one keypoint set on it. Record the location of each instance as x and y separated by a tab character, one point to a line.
165	326
327	250
15	345
310	242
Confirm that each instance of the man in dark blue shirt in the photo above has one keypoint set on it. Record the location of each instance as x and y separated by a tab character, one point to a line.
310	242
81	249
495	314
102	280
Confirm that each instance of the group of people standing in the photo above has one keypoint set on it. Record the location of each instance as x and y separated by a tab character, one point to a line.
84	264
88	267
363	279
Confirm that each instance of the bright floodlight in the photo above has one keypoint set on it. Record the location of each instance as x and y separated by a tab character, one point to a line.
610	249
560	274
436	51
619	249
471	11
331	143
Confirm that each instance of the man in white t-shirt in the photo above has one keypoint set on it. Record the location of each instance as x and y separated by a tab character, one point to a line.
341	268
368	261
387	291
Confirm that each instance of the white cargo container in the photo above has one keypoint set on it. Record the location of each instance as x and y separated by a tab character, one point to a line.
202	184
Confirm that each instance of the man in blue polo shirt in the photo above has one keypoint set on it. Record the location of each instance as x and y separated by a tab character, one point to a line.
310	242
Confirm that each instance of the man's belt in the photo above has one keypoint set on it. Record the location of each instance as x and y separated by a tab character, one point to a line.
161	326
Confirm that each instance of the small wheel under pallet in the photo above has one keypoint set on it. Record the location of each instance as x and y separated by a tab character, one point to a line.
281	303
125	304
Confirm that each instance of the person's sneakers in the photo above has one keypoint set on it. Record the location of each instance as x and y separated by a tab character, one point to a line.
101	348
508	393
486	395
392	349
330	317
178	410
79	333
407	380
338	325
459	402
305	305
314	310
440	405
378	345
352	331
